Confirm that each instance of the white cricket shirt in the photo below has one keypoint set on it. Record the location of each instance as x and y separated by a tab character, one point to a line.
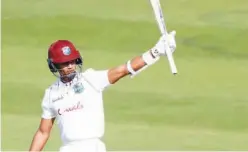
77	106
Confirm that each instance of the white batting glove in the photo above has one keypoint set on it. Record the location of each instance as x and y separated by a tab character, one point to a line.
159	49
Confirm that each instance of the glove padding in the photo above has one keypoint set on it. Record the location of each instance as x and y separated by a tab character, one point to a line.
160	48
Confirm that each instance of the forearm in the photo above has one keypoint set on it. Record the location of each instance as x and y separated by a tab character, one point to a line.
117	73
136	64
39	141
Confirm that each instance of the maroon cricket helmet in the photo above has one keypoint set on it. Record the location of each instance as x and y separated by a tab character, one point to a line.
62	51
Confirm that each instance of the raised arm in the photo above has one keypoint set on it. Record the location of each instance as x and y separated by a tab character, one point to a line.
116	73
148	58
42	135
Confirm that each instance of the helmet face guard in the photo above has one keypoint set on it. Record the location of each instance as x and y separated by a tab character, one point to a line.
54	69
62	51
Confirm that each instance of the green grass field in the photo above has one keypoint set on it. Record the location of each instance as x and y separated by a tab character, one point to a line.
205	107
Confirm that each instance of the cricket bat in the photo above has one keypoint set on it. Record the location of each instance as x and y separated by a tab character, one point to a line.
162	27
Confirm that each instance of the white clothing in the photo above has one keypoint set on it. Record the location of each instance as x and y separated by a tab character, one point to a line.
89	145
77	106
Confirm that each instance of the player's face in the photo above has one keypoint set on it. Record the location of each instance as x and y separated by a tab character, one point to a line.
67	67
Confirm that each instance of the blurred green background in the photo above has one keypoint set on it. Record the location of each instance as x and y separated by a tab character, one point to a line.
204	107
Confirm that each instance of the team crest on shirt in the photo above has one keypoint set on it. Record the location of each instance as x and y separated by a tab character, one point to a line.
66	50
78	87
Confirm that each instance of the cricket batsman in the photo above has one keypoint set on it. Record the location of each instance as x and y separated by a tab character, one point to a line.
75	98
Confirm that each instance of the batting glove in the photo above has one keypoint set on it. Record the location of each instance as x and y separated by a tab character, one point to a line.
160	48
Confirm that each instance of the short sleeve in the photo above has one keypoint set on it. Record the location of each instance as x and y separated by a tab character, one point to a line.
98	78
47	111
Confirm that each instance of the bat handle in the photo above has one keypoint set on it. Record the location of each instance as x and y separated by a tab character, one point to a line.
169	54
170	59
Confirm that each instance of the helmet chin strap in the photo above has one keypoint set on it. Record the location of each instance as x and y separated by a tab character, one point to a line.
68	77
